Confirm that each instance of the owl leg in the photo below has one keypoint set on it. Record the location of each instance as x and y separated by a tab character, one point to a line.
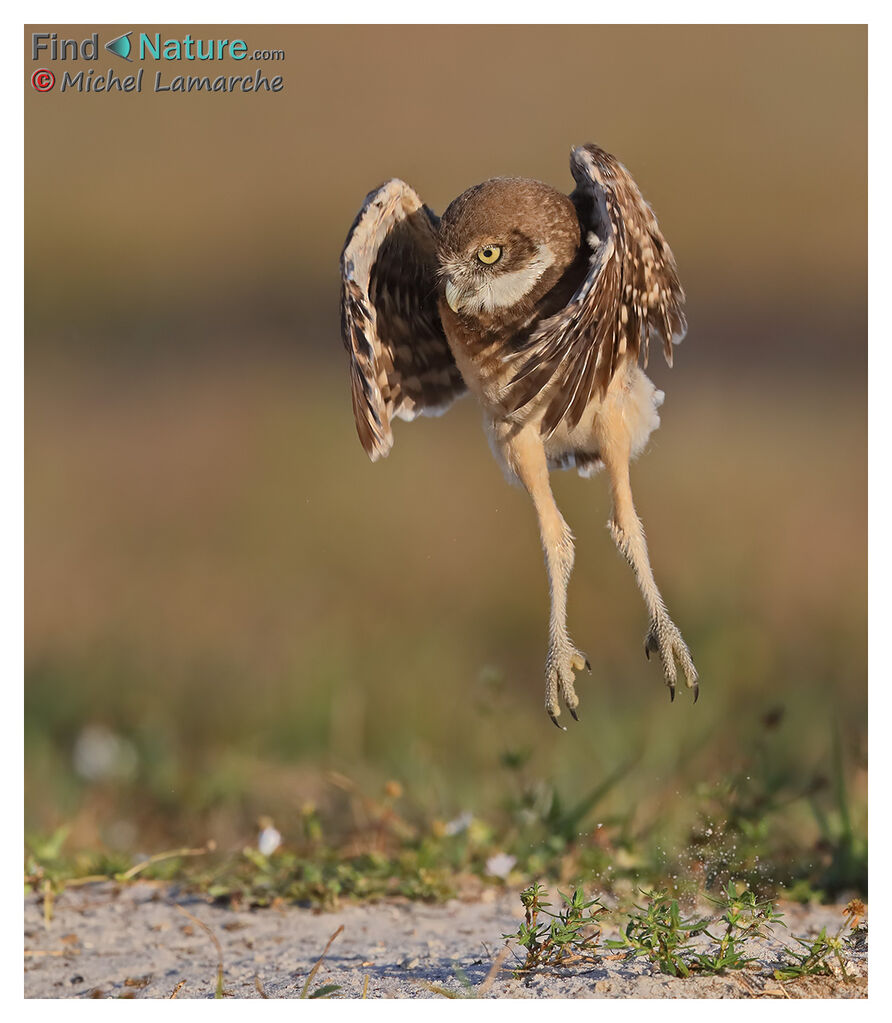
663	638
525	455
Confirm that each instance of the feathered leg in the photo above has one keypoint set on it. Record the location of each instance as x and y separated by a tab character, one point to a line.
627	531
525	455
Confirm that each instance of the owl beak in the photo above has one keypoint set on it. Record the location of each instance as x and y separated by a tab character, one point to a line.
453	296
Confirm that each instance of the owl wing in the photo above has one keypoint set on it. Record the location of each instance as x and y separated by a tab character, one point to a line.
400	362
630	293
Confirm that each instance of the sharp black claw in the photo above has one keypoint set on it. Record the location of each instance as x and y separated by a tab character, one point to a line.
556	723
588	666
646	652
672	694
696	691
573	713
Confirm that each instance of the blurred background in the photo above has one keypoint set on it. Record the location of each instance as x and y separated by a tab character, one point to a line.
231	614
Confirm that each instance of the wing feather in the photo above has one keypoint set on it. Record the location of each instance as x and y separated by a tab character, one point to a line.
630	293
400	362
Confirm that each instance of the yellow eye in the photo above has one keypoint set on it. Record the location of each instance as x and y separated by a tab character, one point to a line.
489	254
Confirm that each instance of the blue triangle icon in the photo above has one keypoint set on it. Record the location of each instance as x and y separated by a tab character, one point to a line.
120	47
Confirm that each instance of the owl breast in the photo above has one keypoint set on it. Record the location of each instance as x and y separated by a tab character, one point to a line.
482	351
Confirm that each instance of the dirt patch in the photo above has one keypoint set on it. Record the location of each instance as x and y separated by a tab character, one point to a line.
110	941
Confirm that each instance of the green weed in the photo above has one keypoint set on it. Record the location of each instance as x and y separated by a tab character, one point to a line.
745	917
821	956
657	931
572	934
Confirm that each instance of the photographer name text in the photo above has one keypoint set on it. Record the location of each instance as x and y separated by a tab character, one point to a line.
89	81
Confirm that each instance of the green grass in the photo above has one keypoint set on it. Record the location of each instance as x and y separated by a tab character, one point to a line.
393	849
243	619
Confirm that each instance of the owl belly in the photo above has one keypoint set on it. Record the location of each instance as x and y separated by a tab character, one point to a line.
623	419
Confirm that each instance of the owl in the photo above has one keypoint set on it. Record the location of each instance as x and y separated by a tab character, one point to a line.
542	306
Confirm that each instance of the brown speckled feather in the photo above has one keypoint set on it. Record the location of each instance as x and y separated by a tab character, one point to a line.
400	362
631	292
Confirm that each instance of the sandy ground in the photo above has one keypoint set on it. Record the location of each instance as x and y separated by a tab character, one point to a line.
108	941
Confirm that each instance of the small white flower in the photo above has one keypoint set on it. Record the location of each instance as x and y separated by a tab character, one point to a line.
460	824
500	865
269	840
100	755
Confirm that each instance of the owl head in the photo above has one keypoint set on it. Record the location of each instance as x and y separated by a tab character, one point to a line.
503	244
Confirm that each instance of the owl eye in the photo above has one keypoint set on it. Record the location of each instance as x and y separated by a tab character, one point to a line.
489	254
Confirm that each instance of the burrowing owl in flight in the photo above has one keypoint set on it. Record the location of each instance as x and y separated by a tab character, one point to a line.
541	306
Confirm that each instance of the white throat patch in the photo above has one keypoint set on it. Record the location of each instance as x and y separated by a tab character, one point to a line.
506	289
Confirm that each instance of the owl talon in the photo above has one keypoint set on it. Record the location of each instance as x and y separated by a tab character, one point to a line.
557	723
665	640
560	670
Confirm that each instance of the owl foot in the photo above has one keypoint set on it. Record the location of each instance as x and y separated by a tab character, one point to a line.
560	669
665	639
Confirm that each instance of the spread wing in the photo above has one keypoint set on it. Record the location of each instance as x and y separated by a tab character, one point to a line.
400	363
630	294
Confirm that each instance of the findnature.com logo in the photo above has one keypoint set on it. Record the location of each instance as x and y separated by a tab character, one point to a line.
151	47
